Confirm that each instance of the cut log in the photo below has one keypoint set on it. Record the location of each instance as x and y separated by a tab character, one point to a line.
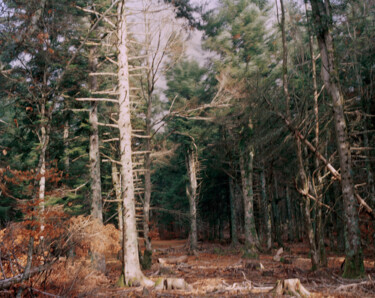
173	260
290	287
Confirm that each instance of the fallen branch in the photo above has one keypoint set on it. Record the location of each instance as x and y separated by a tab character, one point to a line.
355	285
6	283
312	148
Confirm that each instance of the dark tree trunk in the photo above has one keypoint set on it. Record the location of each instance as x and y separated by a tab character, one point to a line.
354	266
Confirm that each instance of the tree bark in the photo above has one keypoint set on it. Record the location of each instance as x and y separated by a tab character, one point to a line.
319	234
290	217
66	147
96	188
191	192
44	140
354	266
251	236
132	271
266	211
233	213
148	185
285	61
276	214
307	207
117	186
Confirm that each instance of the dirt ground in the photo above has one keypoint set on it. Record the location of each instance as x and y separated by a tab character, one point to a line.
219	271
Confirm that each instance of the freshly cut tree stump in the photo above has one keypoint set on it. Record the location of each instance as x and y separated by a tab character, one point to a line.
172	260
290	287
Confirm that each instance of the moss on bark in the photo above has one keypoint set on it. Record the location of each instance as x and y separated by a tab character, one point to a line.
354	267
121	281
146	259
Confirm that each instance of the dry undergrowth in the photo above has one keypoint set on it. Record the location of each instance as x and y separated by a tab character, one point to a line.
79	238
77	274
89	235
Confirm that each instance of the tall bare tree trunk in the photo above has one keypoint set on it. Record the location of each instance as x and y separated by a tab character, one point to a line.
319	230
96	188
191	192
354	266
251	235
132	271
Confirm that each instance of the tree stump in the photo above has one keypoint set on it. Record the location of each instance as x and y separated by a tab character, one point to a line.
290	287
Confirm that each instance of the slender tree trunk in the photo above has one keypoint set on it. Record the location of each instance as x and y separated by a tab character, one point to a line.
285	61
96	188
276	214
148	185
354	266
307	214
266	212
251	236
117	186
150	89
239	206
233	213
132	271
147	201
66	147
191	192
44	140
319	233
290	217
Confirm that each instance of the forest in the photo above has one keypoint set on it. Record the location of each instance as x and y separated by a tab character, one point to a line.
187	148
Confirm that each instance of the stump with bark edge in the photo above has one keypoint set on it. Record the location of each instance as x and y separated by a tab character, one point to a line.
290	287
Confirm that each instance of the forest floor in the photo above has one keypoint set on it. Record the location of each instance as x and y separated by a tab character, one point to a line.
219	271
